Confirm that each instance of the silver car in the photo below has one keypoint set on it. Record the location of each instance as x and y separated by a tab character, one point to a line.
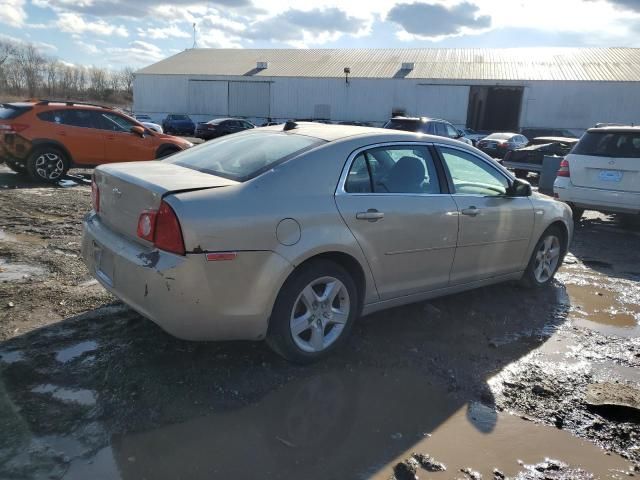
290	233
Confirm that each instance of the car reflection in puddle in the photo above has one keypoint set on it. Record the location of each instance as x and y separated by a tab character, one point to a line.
340	425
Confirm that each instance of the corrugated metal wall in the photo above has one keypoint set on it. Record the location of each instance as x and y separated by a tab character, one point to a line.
208	97
249	99
562	104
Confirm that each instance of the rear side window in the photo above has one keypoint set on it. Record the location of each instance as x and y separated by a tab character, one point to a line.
441	129
244	156
399	169
9	112
609	144
70	117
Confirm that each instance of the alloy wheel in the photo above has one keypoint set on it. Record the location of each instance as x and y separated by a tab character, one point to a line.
49	166
547	258
320	314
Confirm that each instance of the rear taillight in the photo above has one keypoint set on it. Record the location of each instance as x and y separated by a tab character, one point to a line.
95	195
13	127
162	228
564	169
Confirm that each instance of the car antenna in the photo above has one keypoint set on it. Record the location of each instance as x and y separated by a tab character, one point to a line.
290	125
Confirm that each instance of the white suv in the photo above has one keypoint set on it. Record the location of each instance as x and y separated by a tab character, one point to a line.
602	172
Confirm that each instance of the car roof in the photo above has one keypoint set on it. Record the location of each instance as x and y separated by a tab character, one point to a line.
420	119
628	129
333	132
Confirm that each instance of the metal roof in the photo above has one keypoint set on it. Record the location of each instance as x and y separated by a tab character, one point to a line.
581	64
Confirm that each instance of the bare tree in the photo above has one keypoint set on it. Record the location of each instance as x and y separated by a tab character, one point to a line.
128	76
52	69
31	62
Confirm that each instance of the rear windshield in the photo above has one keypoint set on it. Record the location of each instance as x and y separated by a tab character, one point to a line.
8	111
499	136
179	117
609	144
406	125
241	157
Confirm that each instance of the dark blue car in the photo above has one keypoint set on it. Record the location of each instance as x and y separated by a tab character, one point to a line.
178	125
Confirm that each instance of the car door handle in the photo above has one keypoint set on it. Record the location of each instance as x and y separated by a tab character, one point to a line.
372	215
471	211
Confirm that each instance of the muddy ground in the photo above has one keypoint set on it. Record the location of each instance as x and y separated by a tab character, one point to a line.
491	382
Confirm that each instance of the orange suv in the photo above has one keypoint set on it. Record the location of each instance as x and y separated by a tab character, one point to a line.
45	138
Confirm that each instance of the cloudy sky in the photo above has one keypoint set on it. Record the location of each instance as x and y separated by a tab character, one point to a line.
115	33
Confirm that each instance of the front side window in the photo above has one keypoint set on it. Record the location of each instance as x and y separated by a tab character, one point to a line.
451	131
472	176
245	155
399	169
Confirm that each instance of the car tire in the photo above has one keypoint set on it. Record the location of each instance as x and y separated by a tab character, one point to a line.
521	173
19	169
544	261
314	312
47	164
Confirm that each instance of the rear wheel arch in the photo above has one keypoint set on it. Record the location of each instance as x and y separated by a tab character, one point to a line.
346	261
45	142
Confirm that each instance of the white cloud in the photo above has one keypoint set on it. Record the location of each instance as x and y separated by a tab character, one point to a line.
12	12
172	31
76	24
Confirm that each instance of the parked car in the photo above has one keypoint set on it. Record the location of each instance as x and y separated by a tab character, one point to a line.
464	139
433	126
473	135
291	232
143	117
497	145
221	126
153	126
178	125
530	158
602	172
45	138
547	132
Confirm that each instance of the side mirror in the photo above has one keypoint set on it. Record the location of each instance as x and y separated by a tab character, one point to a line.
519	188
137	130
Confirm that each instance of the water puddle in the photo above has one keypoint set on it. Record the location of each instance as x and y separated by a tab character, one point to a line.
20	238
343	425
67	354
595	306
18	272
81	396
11	357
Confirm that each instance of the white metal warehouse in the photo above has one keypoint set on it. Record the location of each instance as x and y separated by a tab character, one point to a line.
485	89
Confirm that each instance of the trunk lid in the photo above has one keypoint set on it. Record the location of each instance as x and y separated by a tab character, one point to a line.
610	173
127	189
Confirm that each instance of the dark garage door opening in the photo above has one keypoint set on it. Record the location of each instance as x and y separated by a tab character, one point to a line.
494	108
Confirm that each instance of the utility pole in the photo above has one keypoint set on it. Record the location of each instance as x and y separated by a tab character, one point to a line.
195	43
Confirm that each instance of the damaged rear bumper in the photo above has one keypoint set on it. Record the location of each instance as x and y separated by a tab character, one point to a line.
188	296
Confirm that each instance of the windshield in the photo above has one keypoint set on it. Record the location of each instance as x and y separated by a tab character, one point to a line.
609	144
241	157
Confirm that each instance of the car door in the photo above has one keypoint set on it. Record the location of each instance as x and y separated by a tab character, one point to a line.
397	206
76	130
495	229
122	145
